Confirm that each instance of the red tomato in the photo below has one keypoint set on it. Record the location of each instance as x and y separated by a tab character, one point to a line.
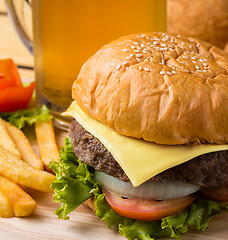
217	194
9	75
16	97
147	210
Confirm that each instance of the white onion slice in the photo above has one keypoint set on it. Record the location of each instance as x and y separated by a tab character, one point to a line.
147	190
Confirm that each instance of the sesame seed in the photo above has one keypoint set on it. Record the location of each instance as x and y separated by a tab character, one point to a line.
133	47
197	67
204	64
137	51
139	55
144	51
142	35
139	48
127	68
148	43
171	50
165	48
169	73
124	50
205	60
138	59
197	45
118	67
136	43
199	70
147	69
127	58
131	55
182	62
187	70
190	46
194	61
174	72
155	42
161	49
165	39
125	63
182	43
162	72
193	57
140	68
163	45
178	36
201	60
142	45
204	71
186	57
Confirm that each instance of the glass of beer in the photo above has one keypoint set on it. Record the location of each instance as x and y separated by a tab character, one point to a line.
67	33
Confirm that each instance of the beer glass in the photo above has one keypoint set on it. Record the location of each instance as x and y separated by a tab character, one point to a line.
67	32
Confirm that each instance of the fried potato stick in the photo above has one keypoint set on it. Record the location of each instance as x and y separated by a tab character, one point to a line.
20	172
6	209
6	141
46	142
24	147
23	205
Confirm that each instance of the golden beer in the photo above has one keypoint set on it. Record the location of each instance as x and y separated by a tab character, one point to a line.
67	33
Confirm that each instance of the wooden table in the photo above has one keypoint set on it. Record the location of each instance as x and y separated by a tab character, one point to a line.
43	224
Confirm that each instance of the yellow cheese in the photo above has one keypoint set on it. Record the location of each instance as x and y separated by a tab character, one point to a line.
139	159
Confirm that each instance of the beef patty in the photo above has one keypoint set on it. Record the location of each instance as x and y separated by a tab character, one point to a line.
208	170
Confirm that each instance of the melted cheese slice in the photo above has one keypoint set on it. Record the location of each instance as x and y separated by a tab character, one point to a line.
139	159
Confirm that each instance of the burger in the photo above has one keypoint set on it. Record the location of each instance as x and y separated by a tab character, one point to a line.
206	20
147	149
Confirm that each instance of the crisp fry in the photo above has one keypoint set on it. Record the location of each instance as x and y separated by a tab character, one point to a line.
23	205
6	141
23	146
6	209
20	172
46	142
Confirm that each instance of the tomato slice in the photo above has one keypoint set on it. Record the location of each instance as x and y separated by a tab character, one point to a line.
217	194
16	97
147	210
9	75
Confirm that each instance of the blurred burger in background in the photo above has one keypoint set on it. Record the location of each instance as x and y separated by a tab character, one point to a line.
203	19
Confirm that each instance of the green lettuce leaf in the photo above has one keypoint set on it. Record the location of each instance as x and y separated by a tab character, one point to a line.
72	177
75	183
29	116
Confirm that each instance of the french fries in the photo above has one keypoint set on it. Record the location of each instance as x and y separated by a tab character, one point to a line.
20	172
46	142
6	141
23	205
20	165
23	145
6	209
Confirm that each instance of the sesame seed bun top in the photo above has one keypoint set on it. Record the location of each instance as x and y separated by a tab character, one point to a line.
159	87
